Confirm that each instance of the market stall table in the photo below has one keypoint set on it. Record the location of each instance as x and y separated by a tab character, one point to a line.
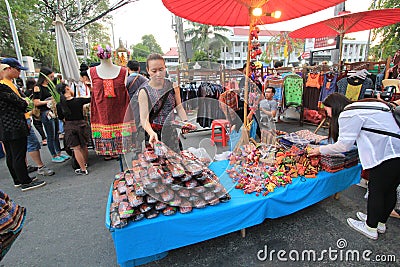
150	239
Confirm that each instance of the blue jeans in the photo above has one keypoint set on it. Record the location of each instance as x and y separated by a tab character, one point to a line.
51	128
61	126
33	142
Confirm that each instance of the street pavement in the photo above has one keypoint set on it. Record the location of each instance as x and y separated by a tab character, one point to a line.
65	225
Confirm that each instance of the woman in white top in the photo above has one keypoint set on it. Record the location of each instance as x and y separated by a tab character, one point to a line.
379	153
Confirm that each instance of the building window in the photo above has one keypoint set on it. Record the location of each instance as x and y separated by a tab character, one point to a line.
171	60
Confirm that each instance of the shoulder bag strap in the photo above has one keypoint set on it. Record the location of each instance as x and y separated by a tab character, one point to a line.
368	107
132	82
381	132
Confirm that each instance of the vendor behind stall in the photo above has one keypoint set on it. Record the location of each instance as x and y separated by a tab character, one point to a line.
157	101
268	108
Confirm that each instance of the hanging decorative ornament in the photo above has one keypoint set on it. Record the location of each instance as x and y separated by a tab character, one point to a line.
255	44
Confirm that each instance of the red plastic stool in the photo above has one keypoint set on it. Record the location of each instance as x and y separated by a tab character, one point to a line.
222	137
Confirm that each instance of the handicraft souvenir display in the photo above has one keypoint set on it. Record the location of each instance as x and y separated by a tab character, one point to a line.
163	182
253	173
261	168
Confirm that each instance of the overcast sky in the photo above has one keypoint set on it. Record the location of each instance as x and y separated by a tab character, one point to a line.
143	17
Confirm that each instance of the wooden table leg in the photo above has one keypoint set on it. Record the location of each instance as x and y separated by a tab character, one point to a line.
320	125
243	232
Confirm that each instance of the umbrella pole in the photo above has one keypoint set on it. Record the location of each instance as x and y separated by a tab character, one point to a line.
246	84
340	50
244	138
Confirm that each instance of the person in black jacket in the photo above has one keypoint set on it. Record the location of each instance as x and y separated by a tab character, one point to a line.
13	133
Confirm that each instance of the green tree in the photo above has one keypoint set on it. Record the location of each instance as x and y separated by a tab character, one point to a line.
200	56
34	39
208	39
389	36
33	20
141	50
151	43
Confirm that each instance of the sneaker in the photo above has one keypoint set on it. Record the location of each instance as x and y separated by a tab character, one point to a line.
32	185
45	171
363	228
32	168
64	156
58	159
81	172
363	217
33	179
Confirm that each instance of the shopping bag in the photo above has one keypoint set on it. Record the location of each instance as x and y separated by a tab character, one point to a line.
253	129
234	137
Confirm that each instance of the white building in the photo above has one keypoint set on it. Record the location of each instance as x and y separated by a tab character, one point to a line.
235	56
171	57
323	49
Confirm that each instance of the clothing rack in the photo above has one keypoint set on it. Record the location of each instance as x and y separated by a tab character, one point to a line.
368	65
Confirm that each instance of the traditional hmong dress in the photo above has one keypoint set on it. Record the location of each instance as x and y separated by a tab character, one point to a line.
111	120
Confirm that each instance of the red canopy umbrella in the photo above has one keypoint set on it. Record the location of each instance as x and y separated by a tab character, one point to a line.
237	12
347	23
242	13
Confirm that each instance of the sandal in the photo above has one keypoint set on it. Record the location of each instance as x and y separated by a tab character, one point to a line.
107	158
395	214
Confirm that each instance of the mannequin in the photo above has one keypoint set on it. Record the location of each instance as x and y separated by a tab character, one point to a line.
111	120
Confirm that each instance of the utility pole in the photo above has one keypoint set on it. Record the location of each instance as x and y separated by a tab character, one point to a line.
16	41
180	39
85	54
112	30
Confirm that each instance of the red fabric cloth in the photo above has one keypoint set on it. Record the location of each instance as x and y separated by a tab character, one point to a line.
108	110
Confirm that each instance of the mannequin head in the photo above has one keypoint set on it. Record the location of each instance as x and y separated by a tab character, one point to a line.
104	53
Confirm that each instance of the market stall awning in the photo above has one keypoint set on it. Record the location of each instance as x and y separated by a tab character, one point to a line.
348	23
236	12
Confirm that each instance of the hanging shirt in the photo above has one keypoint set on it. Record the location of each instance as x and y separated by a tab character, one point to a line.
313	80
328	87
293	90
353	92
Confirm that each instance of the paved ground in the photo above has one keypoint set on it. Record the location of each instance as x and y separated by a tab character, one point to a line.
65	225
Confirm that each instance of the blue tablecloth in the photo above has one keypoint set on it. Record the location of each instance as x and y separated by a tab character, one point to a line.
153	236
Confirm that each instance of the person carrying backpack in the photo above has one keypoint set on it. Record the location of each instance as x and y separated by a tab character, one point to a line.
374	129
